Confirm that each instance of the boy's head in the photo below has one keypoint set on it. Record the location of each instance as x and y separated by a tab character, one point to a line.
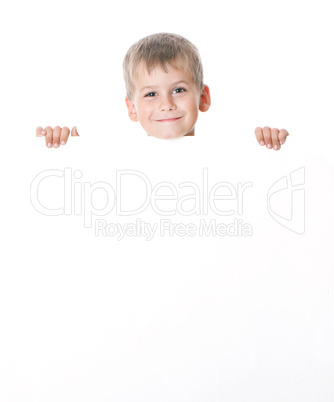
164	85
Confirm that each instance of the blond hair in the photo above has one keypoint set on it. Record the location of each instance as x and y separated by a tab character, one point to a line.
163	50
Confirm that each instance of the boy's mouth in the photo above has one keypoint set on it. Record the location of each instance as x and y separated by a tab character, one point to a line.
169	120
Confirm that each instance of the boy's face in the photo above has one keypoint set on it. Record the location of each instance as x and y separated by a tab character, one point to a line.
167	104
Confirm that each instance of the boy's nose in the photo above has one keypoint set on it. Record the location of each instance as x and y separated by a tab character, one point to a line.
166	104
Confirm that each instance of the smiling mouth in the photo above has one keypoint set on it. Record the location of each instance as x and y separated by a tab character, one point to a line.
169	120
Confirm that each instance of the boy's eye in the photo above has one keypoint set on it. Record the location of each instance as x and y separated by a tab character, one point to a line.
150	94
178	90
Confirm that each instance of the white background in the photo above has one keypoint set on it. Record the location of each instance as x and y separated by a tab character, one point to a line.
211	318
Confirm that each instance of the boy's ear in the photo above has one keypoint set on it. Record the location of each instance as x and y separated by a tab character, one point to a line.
131	109
205	101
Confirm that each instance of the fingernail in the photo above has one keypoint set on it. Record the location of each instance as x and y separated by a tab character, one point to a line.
63	143
43	132
49	145
56	145
269	146
262	142
276	146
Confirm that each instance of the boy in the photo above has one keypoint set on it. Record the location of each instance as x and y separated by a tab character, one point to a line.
164	85
164	91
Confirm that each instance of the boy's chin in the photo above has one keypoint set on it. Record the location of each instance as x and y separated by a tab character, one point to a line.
171	135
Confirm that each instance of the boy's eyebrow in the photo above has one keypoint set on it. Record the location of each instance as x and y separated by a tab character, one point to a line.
172	85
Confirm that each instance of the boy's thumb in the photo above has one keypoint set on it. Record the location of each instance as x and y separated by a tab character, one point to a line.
74	132
40	132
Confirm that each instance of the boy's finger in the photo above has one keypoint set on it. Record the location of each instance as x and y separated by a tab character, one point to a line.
267	137
74	132
282	136
49	136
274	137
65	132
259	135
56	136
40	132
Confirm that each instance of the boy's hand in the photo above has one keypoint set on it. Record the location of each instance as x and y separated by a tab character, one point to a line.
56	136
271	137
